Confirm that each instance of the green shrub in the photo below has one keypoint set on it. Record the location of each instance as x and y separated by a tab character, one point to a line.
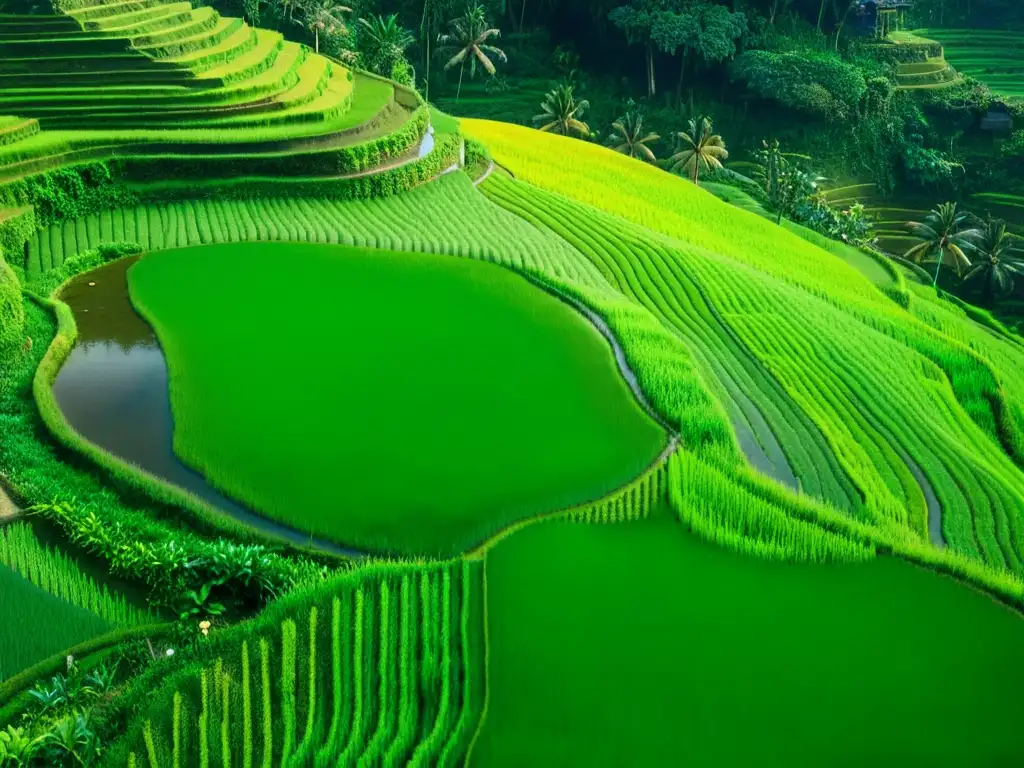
12	316
821	84
67	193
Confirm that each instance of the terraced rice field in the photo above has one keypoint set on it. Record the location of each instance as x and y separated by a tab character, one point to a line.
384	668
168	81
894	460
996	57
814	668
442	399
634	475
48	604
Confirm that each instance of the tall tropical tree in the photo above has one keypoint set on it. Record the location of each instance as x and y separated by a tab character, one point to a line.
562	112
467	42
322	16
628	136
944	234
382	43
998	260
701	147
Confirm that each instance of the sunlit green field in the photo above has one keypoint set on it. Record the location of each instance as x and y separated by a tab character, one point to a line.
648	647
996	57
403	402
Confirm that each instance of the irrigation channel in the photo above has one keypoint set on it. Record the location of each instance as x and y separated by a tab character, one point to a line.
113	389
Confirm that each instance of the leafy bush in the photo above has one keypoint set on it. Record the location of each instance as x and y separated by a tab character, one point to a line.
67	193
818	83
12	315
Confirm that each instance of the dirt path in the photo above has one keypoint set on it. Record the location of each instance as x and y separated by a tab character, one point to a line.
488	172
8	509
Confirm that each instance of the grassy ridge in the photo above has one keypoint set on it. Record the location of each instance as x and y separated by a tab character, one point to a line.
465	399
445	216
695	644
893	396
383	666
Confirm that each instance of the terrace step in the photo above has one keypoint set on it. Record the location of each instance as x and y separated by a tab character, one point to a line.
70	64
242	40
196	24
188	46
96	79
142	20
96	11
269	45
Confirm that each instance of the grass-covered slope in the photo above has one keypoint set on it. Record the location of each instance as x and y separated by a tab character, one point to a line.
407	403
906	409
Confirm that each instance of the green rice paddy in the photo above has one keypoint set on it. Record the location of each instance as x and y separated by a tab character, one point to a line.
401	402
650	647
634	475
996	57
36	625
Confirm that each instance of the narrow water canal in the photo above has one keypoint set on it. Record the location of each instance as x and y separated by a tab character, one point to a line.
113	390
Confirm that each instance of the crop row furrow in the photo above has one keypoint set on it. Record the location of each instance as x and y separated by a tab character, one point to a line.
385	669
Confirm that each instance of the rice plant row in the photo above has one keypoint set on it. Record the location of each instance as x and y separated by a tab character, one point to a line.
652	272
384	667
664	203
890	394
724	513
445	216
57	574
634	502
995	57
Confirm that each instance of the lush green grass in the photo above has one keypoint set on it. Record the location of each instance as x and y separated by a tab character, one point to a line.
34	624
395	401
648	647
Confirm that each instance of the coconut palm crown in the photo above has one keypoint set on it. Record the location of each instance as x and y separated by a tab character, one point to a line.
701	148
323	16
467	42
998	259
945	233
628	137
562	113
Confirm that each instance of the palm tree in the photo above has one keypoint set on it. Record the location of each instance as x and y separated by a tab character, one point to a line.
562	113
628	137
382	43
468	42
322	16
945	232
998	259
700	147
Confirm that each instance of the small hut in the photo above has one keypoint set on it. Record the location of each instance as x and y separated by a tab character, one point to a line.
877	18
998	119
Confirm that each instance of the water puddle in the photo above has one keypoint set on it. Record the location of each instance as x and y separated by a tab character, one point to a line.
113	390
